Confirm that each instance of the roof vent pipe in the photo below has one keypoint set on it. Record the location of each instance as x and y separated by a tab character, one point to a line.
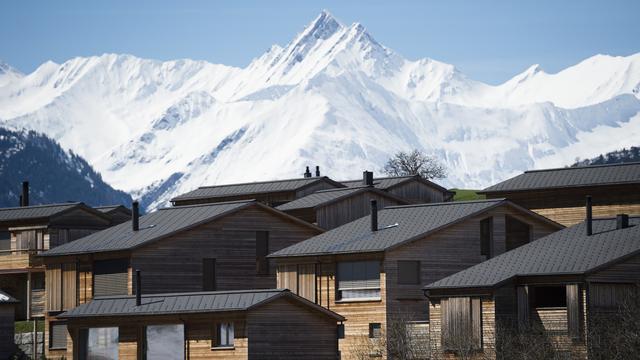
135	216
622	221
307	173
589	218
317	171
138	288
374	215
367	178
25	193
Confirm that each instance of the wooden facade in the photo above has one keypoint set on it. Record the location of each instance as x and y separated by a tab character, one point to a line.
176	263
279	329
419	192
585	308
567	205
7	311
400	297
21	271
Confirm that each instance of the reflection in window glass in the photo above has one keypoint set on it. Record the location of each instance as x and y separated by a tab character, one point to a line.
224	335
102	344
165	342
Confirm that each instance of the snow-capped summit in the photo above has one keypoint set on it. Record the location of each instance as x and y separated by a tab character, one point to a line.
333	96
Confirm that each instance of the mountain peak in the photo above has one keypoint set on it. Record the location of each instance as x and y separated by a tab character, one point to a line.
322	27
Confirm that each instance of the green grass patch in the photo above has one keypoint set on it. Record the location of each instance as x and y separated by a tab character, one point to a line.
466	195
27	326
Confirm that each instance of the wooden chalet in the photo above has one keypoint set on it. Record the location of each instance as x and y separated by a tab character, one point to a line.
7	330
117	213
272	193
220	246
559	193
413	188
563	296
331	208
249	324
372	270
27	231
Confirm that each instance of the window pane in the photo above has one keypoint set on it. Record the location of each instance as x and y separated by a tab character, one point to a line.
224	334
375	330
358	275
102	343
165	342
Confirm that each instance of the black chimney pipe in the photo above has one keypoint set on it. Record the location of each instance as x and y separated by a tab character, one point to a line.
307	173
367	178
135	216
20	203
317	171
25	193
622	221
374	215
138	288
589	219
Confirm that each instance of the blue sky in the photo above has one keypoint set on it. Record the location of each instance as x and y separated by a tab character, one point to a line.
488	40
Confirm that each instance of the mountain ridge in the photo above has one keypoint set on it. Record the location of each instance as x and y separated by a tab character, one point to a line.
334	97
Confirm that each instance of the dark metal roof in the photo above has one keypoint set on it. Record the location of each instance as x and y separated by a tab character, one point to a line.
110	208
385	183
184	303
566	252
33	212
326	197
7	299
153	226
397	224
206	192
614	174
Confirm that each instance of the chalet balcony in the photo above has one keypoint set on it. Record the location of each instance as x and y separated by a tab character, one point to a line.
19	259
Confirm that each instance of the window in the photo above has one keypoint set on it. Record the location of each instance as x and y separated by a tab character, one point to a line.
102	343
5	240
224	335
209	275
37	281
486	235
262	250
165	342
461	323
517	233
549	296
408	272
110	277
57	335
375	330
359	280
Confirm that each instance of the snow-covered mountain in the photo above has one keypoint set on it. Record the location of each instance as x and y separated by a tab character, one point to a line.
333	97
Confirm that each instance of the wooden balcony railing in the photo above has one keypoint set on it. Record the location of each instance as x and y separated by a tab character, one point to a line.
18	258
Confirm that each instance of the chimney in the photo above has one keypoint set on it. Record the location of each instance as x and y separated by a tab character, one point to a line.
374	215
622	221
138	288
25	193
318	171
367	178
307	173
135	216
589	219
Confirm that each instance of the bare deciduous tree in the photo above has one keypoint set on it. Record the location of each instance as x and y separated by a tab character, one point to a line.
415	163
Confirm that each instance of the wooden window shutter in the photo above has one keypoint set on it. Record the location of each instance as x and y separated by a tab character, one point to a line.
288	277
58	335
476	323
573	311
53	287
461	323
522	294
69	286
262	250
307	281
486	235
209	275
110	277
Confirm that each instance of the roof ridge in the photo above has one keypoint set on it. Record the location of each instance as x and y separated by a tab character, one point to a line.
382	178
42	206
194	293
446	203
583	167
264	182
350	188
208	204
